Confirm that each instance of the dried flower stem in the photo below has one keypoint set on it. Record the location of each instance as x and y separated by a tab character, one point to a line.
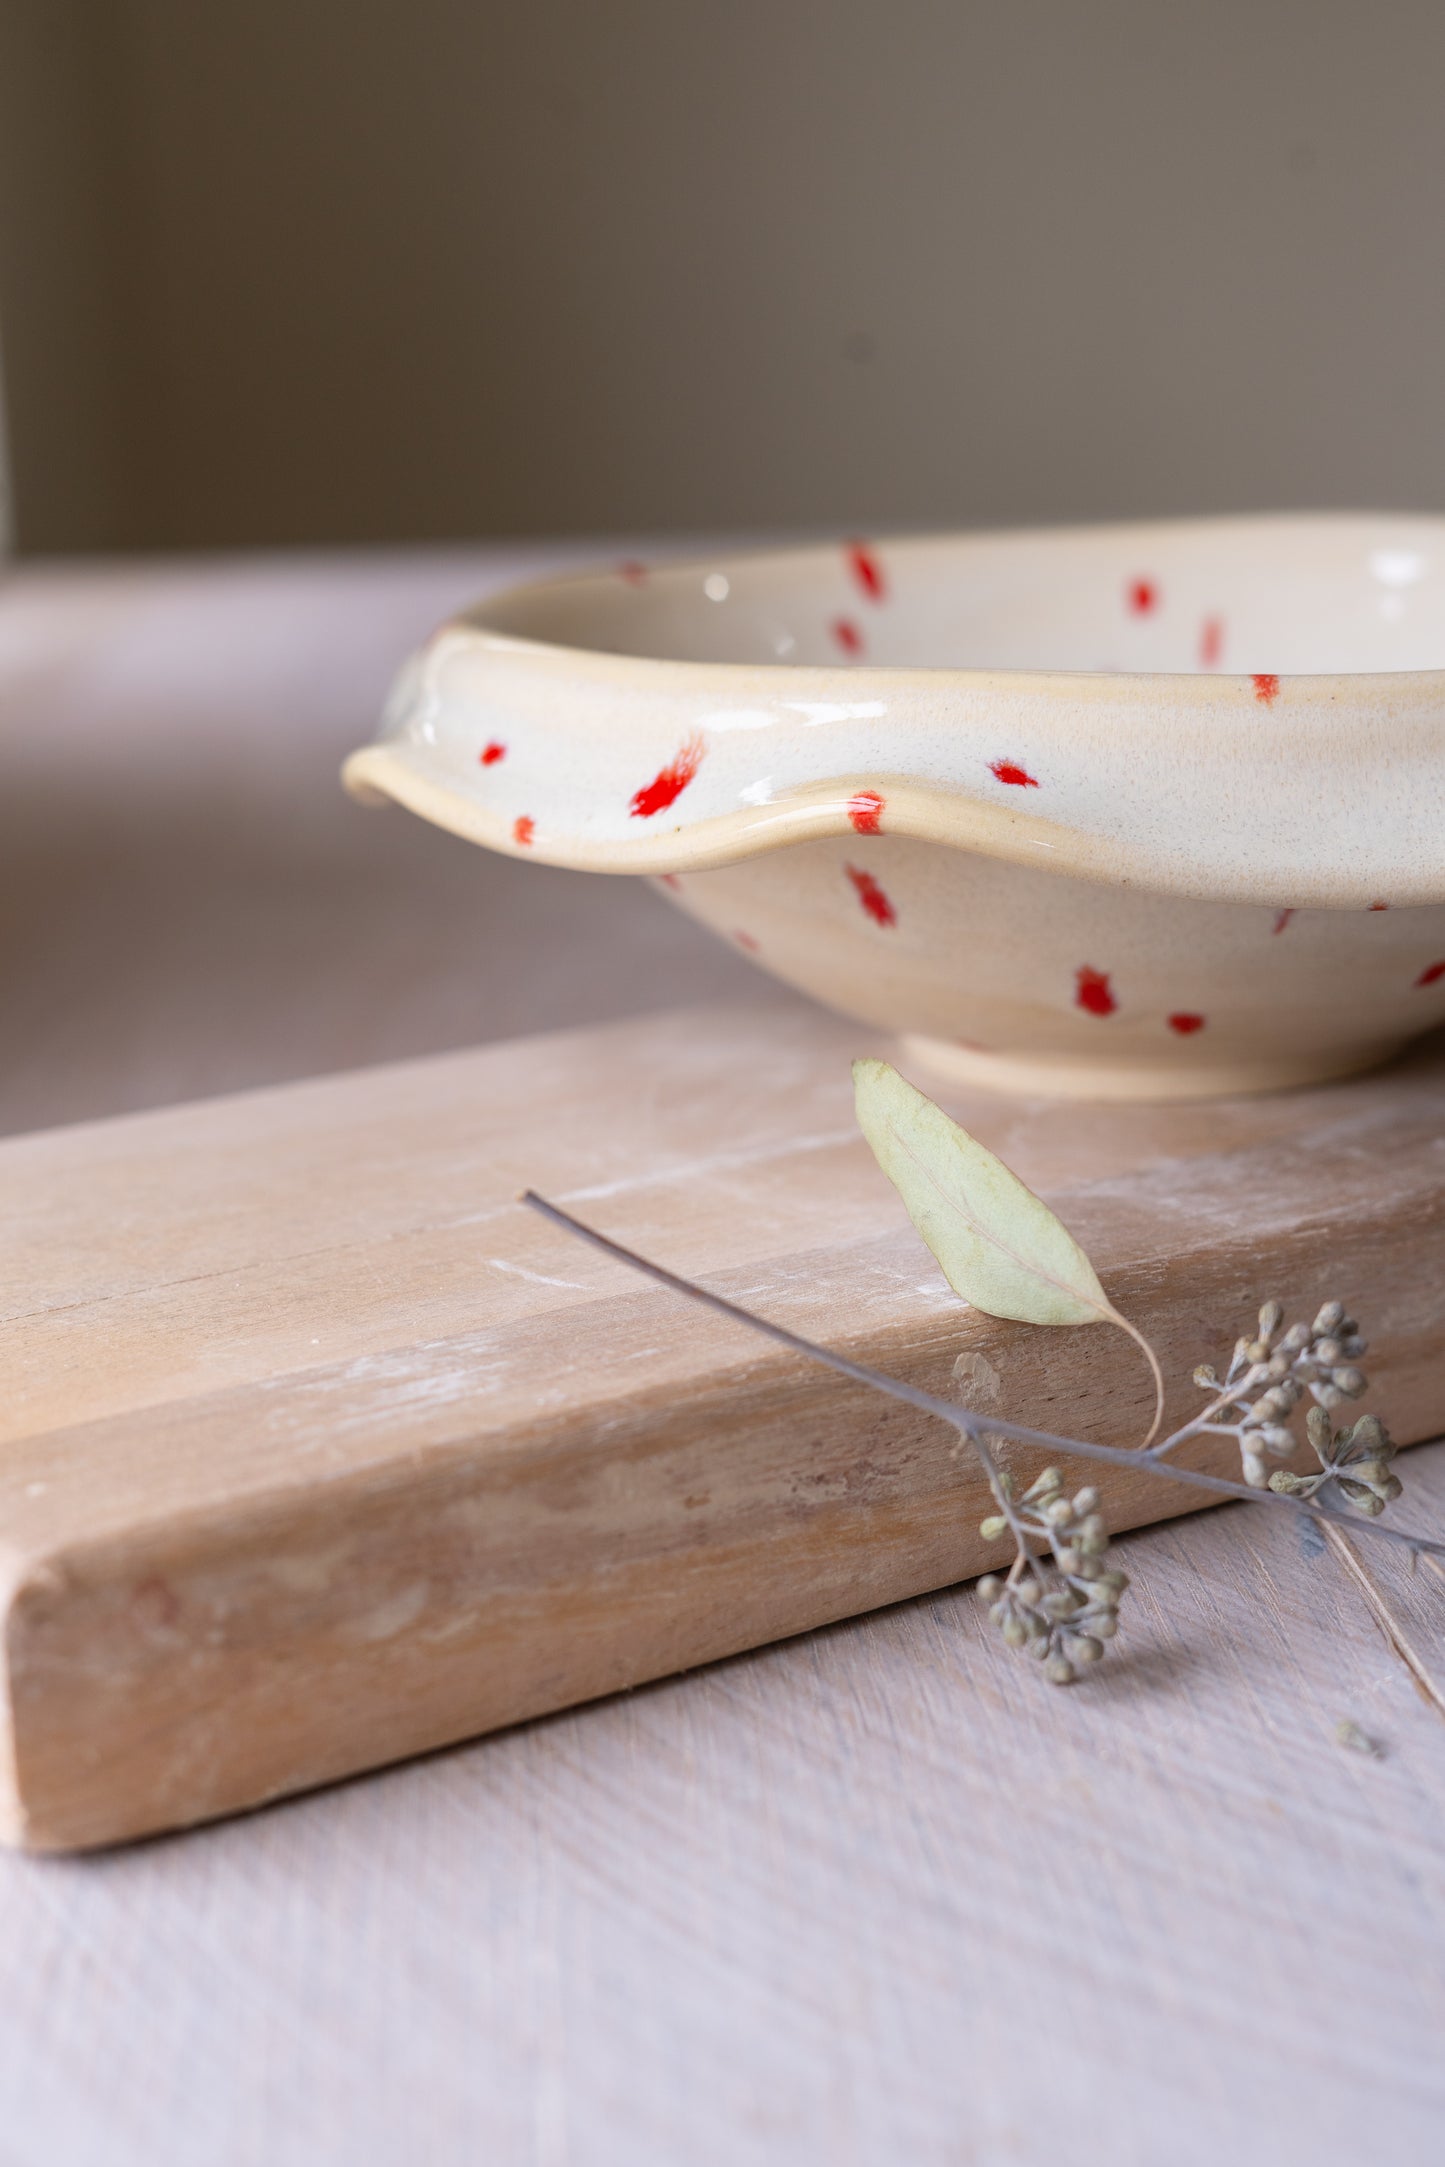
974	1427
1269	1374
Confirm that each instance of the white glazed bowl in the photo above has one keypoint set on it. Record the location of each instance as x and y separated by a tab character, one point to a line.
1147	811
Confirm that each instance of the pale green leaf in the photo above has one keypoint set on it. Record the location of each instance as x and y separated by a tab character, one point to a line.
999	1246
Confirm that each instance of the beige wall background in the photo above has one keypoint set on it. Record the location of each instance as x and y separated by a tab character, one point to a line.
292	271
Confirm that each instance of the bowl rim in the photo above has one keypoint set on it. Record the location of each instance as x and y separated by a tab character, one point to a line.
487	618
608	713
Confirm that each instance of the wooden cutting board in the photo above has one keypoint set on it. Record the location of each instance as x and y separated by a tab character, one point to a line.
321	1451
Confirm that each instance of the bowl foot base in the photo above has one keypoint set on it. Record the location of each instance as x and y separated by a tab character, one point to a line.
1058	1076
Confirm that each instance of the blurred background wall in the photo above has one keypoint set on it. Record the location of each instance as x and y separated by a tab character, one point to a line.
293	271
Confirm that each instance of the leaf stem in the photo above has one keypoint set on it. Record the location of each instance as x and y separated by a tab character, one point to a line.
960	1418
1153	1360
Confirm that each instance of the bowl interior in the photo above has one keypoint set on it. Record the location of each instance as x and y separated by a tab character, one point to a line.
1299	595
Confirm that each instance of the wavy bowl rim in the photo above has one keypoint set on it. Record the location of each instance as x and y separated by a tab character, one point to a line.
394	767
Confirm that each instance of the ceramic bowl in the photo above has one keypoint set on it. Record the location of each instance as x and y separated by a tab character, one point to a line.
1150	811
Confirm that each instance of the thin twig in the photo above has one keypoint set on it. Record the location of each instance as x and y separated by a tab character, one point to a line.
964	1419
1204	1420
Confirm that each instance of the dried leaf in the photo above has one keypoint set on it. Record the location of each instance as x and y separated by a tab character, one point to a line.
999	1246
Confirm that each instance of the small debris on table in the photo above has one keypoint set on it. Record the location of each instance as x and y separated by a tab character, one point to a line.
1354	1740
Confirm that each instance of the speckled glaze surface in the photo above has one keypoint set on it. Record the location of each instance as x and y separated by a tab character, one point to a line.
1145	811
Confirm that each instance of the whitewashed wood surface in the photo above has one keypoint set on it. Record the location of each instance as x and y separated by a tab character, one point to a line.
872	1896
877	1895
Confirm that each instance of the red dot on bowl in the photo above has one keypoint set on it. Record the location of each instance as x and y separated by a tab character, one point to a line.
866	569
1283	919
746	940
668	783
846	633
1211	642
865	810
1093	992
1009	771
1266	687
872	897
1379	906
523	829
1143	596
1185	1023
491	754
1431	975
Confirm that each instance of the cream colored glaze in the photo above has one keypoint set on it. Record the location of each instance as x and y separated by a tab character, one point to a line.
1172	812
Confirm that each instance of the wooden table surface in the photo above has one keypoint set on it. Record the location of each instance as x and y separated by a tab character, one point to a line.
869	1896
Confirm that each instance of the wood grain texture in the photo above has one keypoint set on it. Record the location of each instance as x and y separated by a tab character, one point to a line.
320	1452
872	1895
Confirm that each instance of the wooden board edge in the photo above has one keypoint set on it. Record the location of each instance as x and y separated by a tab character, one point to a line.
207	1666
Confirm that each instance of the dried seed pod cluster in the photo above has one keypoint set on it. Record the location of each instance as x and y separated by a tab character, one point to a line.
1356	1460
1270	1374
1061	1604
1059	1599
